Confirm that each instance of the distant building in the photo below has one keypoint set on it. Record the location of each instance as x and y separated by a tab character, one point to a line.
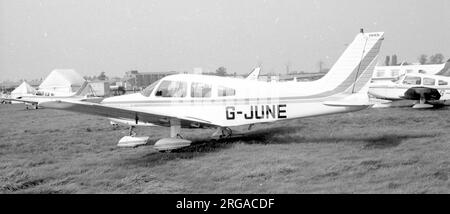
297	76
62	81
302	76
134	80
269	77
100	88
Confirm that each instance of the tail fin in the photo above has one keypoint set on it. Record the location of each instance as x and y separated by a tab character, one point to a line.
355	66
85	90
254	74
445	70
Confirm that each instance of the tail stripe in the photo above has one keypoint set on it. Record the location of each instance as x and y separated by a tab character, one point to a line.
367	65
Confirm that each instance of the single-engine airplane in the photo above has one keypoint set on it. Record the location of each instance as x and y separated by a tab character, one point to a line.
200	101
426	90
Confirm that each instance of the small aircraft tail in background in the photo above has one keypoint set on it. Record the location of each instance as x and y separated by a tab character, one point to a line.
254	74
446	70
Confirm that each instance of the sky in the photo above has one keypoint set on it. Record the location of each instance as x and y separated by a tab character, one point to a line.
115	36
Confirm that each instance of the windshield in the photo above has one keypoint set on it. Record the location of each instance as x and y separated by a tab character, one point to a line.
169	88
148	91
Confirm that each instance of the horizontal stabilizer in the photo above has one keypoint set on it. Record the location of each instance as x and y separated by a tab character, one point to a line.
347	104
21	100
358	99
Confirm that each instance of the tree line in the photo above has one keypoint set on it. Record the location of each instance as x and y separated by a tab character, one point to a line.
423	60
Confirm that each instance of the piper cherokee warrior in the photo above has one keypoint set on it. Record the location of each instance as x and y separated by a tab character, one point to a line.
202	101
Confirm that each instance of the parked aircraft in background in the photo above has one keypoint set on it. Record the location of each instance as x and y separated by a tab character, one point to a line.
427	90
254	74
392	73
33	100
200	101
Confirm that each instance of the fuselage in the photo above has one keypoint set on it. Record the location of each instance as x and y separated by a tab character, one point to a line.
395	90
230	101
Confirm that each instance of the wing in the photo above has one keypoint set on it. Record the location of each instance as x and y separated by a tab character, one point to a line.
157	118
21	100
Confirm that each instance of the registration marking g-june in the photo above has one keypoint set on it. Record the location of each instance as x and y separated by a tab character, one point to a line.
257	112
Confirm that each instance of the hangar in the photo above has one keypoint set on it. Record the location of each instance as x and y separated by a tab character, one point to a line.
62	81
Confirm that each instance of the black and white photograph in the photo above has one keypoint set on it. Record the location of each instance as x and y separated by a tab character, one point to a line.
225	97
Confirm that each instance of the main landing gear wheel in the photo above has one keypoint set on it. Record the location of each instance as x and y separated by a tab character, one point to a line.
175	141
222	133
422	104
131	131
226	133
131	140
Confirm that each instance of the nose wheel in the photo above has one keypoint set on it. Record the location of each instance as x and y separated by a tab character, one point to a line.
222	133
131	131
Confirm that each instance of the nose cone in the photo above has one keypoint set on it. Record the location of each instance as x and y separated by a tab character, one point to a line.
123	98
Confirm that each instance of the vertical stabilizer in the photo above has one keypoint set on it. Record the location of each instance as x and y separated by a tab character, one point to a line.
445	71
354	68
254	74
85	90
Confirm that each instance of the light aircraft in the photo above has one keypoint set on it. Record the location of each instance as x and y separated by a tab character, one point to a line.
426	90
200	101
392	73
33	100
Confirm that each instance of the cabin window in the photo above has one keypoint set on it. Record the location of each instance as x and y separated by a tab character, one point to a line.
411	80
380	73
442	82
223	91
148	91
200	90
428	81
395	73
171	89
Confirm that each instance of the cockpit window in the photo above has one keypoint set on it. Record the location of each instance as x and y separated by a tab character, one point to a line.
428	81
200	90
148	91
171	89
442	82
412	80
223	91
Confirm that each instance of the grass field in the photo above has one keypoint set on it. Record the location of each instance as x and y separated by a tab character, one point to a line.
389	150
